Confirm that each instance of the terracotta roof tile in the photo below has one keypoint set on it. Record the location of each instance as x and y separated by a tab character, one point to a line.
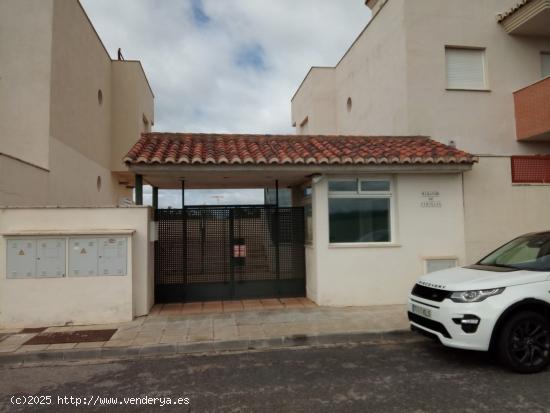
196	148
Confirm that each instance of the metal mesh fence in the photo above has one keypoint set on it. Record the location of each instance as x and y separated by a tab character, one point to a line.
230	245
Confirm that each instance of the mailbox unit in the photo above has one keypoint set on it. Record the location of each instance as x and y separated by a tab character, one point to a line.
38	255
97	256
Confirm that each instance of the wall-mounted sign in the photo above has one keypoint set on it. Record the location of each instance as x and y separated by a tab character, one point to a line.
430	199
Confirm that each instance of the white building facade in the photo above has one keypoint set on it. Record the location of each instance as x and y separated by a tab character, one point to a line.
470	73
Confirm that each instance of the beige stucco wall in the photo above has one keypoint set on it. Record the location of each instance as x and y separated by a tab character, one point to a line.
25	70
479	122
497	210
132	101
372	73
80	68
21	183
71	181
313	109
90	300
61	140
384	274
395	73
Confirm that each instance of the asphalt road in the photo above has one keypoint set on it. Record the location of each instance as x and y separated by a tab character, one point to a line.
398	377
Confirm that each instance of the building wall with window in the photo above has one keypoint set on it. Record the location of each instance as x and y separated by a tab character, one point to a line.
370	245
478	118
58	142
448	70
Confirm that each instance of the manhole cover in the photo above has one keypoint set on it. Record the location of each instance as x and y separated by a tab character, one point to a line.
83	336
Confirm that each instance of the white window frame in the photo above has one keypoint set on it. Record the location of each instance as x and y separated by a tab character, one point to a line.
483	50
366	195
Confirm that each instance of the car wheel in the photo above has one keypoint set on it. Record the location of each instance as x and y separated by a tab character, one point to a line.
524	342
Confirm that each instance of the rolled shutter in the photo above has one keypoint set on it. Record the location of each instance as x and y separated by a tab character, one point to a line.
465	68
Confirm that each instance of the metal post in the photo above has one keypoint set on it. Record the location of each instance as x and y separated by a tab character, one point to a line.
155	198
184	237
277	192
277	252
231	251
139	189
182	193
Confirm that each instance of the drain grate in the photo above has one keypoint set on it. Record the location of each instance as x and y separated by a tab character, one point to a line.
83	336
33	330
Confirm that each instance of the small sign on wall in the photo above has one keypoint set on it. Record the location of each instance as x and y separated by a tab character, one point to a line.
430	199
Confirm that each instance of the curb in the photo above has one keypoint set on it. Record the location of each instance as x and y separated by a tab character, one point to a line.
210	347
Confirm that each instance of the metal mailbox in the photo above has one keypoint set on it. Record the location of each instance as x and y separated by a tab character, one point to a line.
83	256
21	257
36	258
112	256
98	256
40	257
50	260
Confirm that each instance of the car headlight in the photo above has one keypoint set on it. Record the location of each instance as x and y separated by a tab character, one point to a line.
474	296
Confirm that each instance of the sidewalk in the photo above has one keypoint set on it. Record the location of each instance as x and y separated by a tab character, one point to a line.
171	330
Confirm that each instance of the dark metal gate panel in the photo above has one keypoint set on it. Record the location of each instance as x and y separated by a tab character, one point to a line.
210	253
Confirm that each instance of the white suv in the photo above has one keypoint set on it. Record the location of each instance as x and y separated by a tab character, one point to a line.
502	303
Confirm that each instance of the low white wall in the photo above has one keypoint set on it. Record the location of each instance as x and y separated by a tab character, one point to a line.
78	300
367	275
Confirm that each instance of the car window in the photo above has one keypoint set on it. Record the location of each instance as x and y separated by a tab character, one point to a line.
531	252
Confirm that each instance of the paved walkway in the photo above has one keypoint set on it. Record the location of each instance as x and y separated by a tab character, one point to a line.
167	329
210	307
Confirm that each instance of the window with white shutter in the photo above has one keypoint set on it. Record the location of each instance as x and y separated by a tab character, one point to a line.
466	68
545	64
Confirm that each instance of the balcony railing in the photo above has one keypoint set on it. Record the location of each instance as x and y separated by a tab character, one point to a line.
532	106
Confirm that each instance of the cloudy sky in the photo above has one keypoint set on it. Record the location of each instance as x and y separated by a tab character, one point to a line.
226	65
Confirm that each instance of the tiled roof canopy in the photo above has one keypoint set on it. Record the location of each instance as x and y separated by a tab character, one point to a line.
229	149
512	10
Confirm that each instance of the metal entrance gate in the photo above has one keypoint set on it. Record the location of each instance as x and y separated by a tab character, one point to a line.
229	252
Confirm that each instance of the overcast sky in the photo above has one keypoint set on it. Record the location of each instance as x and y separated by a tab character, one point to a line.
226	65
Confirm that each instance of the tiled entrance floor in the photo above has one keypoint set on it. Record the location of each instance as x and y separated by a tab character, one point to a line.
212	307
